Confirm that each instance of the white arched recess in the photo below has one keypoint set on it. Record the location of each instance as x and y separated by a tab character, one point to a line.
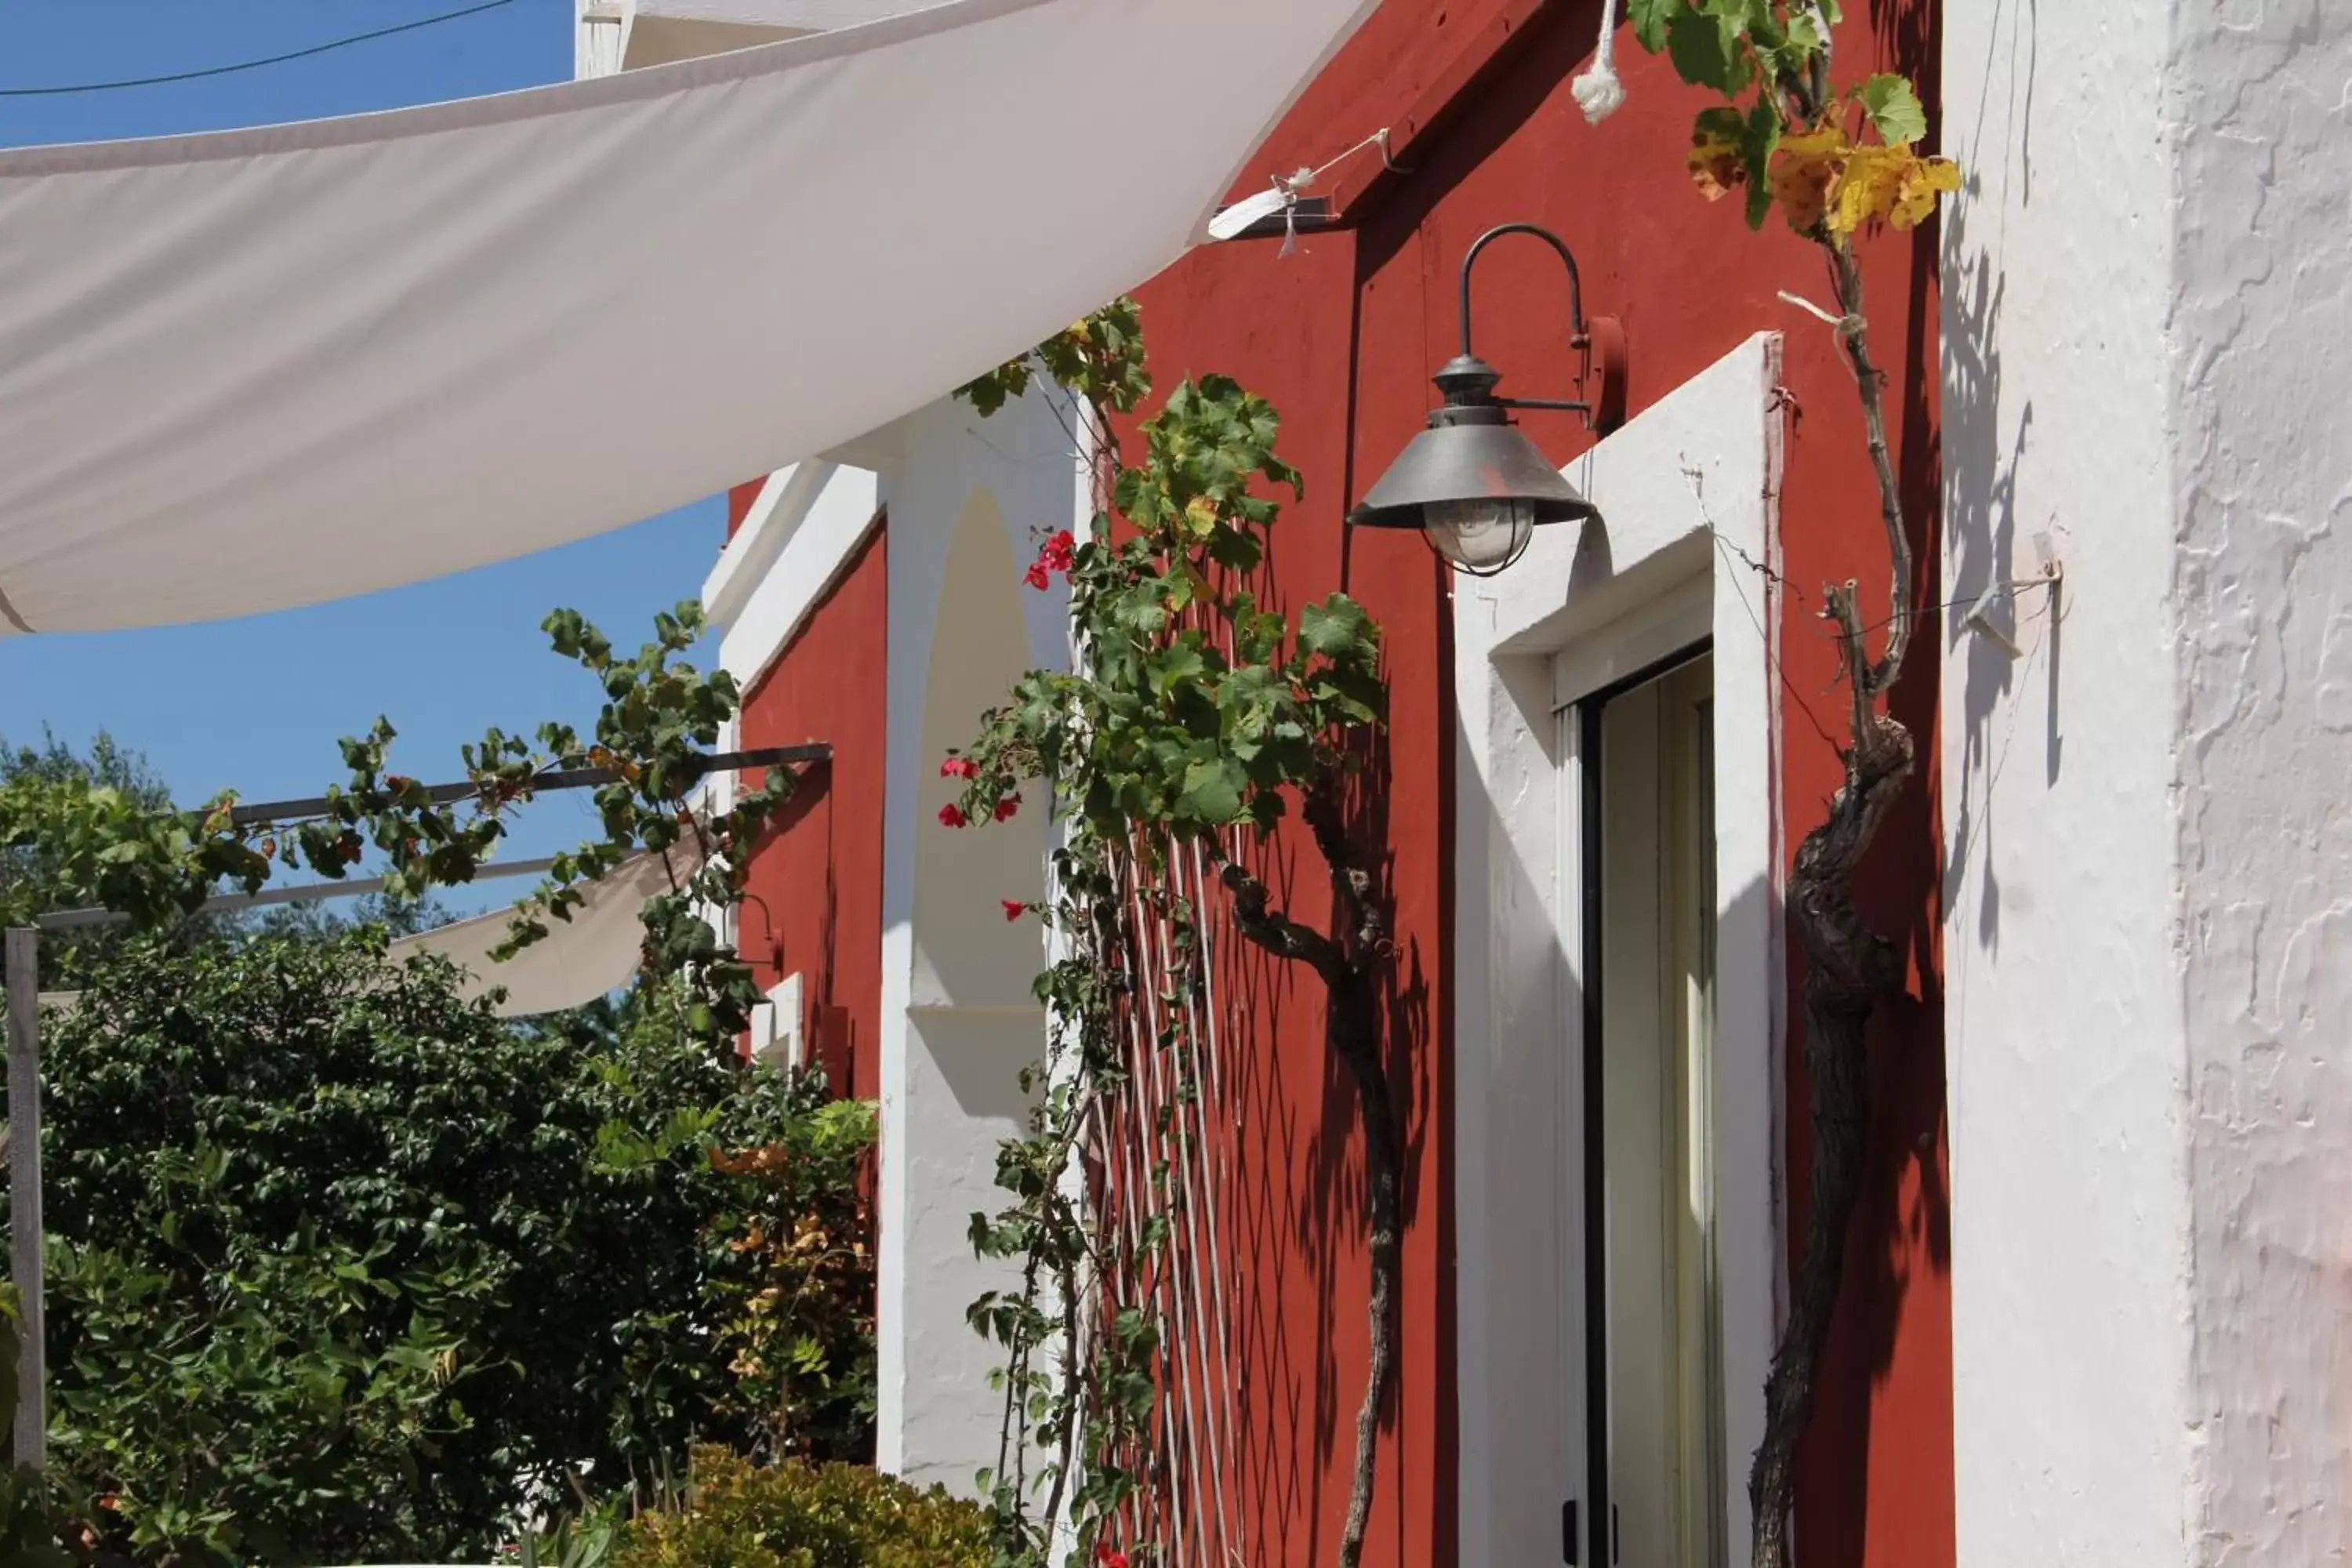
1688	494
968	502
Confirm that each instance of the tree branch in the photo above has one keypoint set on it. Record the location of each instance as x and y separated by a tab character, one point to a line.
1358	895
1854	332
1256	919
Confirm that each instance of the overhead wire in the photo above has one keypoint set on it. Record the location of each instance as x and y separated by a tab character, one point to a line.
302	54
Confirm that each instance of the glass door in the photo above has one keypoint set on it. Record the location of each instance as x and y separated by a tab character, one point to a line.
1652	1303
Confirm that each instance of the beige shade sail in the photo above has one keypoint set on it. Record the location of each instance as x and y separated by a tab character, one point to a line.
257	369
579	959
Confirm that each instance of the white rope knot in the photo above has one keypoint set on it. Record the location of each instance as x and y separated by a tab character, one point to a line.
1598	91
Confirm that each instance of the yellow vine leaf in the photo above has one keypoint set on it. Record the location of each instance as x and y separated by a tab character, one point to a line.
1805	171
1866	187
1714	164
1820	176
1922	181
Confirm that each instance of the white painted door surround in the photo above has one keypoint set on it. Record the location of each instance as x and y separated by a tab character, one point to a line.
1689	495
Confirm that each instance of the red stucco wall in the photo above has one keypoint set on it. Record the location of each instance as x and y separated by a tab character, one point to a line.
816	884
1342	339
739	503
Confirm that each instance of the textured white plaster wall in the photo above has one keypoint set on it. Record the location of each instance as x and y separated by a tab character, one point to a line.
2261	325
2149	926
2064	1000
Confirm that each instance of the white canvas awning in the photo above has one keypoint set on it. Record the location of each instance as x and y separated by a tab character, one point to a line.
595	951
265	368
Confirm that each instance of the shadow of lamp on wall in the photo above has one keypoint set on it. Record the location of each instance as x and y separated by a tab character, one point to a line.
1472	483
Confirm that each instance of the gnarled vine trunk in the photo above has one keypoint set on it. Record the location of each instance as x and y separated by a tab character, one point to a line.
1848	966
1348	964
1356	1040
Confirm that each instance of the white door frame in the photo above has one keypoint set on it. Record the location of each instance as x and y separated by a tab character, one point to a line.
1686	547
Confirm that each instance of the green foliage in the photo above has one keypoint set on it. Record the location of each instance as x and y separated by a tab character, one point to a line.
79	835
587	1540
74	803
803	1516
1894	110
45	871
1102	354
796	1316
343	1267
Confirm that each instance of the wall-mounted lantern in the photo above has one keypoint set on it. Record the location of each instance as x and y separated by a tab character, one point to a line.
1472	483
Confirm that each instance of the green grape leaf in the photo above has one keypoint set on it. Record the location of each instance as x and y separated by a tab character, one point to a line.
1894	108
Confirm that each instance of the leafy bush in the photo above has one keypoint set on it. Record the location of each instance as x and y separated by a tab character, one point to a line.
796	1515
586	1540
346	1268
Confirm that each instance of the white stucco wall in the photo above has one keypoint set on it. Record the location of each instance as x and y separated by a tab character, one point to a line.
2148	958
967	500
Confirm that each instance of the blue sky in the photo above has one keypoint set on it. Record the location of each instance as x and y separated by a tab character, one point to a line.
257	705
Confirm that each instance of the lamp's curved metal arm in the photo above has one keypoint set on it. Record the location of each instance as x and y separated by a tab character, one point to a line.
1567	259
1580	341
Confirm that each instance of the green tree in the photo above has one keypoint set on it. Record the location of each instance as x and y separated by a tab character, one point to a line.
344	1268
40	875
37	876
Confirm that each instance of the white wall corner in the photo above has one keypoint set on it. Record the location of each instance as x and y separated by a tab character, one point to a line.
2260	318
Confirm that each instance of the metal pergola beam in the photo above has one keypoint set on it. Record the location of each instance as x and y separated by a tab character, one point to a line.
275	811
26	1262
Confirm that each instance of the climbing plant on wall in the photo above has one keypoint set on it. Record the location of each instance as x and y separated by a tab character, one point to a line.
1197	714
1834	163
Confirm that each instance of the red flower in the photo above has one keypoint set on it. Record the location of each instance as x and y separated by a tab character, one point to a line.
1108	1558
1007	806
1013	909
1057	554
952	816
958	768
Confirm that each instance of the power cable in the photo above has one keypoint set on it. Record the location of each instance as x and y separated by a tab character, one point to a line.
474	10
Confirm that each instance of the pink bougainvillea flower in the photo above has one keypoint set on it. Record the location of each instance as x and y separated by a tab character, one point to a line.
1057	554
1013	909
952	816
958	768
1007	806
